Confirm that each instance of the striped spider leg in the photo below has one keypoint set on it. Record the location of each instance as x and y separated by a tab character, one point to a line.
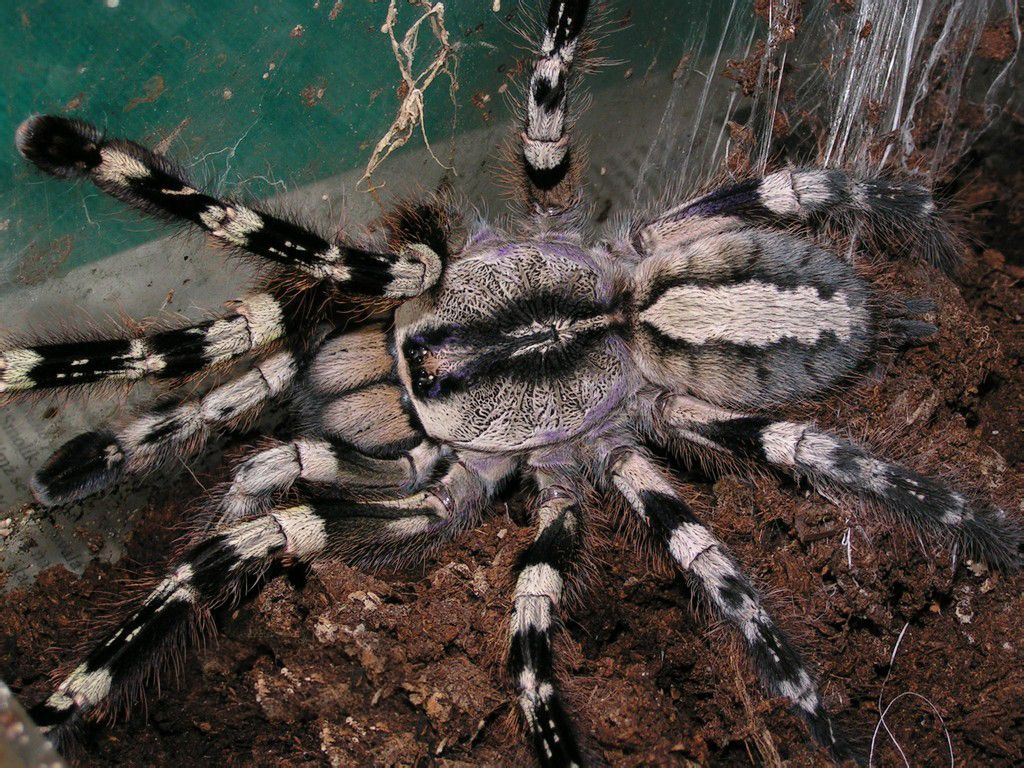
896	212
278	314
152	183
718	578
541	573
982	531
94	461
228	562
551	172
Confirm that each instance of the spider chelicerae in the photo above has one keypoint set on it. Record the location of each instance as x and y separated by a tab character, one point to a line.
486	357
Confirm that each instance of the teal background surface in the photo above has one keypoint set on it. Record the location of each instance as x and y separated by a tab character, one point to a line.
255	97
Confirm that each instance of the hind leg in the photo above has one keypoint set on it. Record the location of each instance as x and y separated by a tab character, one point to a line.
718	577
898	211
550	171
921	502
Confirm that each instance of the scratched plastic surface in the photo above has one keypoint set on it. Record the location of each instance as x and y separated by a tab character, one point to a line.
263	96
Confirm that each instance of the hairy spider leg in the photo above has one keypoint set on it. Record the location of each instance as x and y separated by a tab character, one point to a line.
254	322
353	430
718	577
344	363
551	173
261	477
94	461
894	211
925	504
229	563
152	183
541	572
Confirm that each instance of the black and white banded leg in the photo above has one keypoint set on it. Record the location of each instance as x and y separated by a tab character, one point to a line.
540	584
900	211
547	157
152	183
94	461
717	576
985	532
255	322
228	563
273	471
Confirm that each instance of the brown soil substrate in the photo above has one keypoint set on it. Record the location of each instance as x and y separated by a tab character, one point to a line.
405	669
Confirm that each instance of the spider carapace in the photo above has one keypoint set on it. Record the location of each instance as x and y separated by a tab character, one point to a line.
536	354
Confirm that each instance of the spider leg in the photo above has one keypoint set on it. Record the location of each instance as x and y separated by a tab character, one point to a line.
923	503
256	320
93	461
705	559
541	572
897	211
228	563
275	470
350	394
153	184
550	175
356	430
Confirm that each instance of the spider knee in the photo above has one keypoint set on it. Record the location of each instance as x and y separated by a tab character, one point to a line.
417	269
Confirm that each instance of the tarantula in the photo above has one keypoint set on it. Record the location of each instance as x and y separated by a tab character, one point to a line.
483	356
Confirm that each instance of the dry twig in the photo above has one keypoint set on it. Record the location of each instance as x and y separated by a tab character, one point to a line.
410	111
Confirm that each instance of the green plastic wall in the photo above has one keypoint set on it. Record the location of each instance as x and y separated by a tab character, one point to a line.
260	96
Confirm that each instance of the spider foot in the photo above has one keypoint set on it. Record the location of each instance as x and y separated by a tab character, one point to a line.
61	147
905	325
82	466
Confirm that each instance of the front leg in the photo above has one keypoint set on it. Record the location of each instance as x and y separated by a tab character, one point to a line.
153	184
272	472
255	322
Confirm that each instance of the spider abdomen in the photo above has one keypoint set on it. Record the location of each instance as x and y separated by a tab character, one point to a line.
749	317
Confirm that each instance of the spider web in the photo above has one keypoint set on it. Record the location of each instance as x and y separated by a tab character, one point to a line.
863	84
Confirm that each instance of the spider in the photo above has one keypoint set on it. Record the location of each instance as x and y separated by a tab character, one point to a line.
435	363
